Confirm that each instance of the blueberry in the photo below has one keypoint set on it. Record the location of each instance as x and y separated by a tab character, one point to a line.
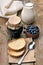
31	32
34	32
32	29
37	31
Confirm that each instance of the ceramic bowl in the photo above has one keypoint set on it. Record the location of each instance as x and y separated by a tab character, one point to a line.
32	35
32	31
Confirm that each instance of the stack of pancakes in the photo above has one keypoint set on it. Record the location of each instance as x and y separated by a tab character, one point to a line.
17	47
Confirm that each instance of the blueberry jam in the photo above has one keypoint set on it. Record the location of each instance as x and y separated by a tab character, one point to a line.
32	29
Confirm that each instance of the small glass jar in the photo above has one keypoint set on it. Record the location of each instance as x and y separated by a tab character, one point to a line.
14	27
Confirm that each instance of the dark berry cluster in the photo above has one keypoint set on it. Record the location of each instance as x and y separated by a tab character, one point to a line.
32	29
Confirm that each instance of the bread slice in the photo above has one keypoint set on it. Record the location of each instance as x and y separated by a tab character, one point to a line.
17	45
16	54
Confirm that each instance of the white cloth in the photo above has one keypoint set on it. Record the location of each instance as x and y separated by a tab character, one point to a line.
14	7
5	3
16	4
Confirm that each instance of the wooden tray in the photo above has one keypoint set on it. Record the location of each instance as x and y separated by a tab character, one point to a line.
30	57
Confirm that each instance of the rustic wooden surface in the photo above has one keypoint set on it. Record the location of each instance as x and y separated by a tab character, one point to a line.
3	46
39	41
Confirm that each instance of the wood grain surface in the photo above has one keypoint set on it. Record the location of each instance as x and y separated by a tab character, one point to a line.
39	41
3	46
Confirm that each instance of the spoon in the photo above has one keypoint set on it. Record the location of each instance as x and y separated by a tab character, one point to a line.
29	47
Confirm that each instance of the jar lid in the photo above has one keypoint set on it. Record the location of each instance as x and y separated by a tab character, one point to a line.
29	4
13	27
14	21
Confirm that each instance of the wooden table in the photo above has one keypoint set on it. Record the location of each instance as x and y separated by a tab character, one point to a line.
39	41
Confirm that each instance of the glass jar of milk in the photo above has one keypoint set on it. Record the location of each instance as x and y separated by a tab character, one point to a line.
28	14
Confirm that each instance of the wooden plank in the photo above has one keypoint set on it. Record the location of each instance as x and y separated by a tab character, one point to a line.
40	1
25	64
28	58
3	47
3	21
39	41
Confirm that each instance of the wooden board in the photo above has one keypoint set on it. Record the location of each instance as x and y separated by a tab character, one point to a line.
3	46
29	57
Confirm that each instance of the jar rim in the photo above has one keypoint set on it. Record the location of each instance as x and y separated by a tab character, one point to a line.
30	4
